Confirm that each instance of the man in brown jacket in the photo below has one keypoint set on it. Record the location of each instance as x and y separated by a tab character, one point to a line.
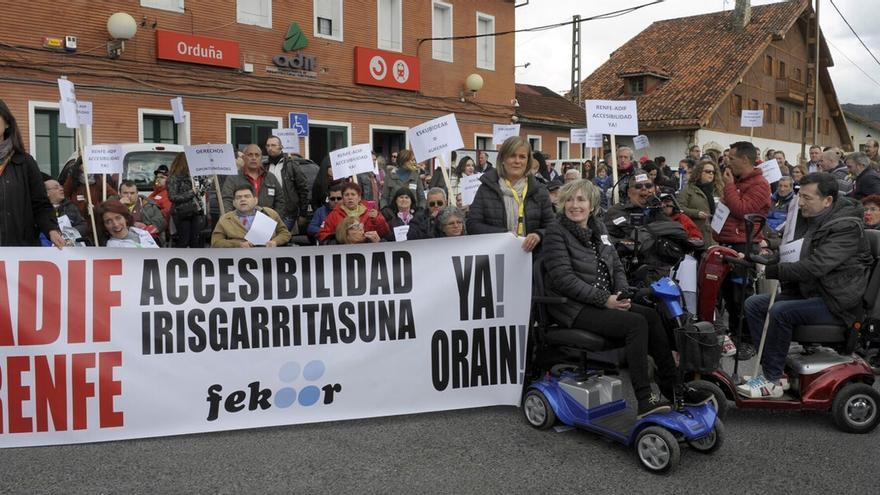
232	227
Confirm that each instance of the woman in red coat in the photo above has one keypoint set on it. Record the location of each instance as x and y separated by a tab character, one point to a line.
671	210
352	206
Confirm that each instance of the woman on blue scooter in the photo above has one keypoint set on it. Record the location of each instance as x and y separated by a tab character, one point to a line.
586	270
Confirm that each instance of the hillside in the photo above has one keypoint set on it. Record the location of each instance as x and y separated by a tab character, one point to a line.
868	112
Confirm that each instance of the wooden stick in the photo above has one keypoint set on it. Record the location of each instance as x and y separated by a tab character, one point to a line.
445	179
613	169
91	210
219	195
752	135
104	187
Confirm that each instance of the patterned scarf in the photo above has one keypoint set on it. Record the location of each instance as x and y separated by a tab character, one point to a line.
585	237
5	150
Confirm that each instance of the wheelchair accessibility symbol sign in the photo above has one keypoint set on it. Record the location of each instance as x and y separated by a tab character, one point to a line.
300	122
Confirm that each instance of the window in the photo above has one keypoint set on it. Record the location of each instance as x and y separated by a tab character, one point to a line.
390	26
328	19
768	65
245	131
781	74
736	105
535	143
255	12
483	142
754	105
798	120
486	44
780	115
170	5
54	142
441	27
768	113
826	128
562	148
797	73
160	129
636	85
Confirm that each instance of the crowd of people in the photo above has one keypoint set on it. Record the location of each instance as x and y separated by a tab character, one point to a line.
568	216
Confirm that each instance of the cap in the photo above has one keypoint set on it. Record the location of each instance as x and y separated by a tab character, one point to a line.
161	169
712	145
643	159
554	185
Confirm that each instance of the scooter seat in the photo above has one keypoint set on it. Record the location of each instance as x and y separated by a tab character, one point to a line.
819	334
580	339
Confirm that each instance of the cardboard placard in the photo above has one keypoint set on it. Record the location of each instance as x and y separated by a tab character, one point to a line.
468	186
177	110
752	118
103	158
261	230
612	117
501	132
357	159
211	159
771	171
641	142
68	104
578	136
289	139
720	216
436	137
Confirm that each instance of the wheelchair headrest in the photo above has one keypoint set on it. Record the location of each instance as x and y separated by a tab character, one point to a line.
874	241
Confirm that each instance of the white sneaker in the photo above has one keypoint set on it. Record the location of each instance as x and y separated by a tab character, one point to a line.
728	348
783	382
760	388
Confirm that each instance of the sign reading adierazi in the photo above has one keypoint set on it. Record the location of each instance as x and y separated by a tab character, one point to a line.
197	49
133	343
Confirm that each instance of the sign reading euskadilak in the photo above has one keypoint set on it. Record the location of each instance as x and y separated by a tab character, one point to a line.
612	117
438	137
197	49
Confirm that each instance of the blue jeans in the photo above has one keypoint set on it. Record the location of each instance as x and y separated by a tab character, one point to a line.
787	313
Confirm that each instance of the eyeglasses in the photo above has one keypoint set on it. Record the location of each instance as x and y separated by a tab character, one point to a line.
334	198
709	172
435	203
356	226
639	187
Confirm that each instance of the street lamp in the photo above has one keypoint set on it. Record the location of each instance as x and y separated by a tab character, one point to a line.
121	27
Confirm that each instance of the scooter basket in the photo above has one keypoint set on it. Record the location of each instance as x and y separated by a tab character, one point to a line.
699	348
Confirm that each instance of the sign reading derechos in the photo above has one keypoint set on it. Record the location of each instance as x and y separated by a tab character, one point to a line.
197	49
211	159
438	137
152	342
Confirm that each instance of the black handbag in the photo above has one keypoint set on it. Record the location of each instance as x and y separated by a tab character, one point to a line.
188	209
699	347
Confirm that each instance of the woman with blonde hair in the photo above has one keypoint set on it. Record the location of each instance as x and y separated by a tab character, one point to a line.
511	200
697	199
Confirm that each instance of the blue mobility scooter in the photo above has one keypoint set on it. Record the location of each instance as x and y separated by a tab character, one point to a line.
578	396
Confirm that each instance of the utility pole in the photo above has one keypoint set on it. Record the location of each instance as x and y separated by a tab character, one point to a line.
816	79
575	94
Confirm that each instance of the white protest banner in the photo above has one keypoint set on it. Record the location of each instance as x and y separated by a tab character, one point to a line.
578	136
437	137
612	117
103	158
400	233
594	140
770	170
791	252
210	159
289	139
357	159
68	103
261	230
84	112
177	110
468	186
687	274
720	216
134	343
500	132
791	220
641	142
752	118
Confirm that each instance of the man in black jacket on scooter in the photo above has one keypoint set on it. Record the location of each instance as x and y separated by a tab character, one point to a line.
824	286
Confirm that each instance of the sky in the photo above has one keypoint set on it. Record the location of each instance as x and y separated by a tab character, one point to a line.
549	52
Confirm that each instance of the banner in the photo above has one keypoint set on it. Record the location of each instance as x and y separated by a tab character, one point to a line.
102	344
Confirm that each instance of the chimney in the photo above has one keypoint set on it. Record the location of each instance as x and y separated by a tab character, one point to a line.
742	14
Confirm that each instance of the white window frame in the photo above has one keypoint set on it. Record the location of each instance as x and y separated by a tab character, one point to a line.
347	125
529	137
230	116
341	36
162	5
267	23
183	137
435	34
33	106
379	43
491	39
567	142
483	135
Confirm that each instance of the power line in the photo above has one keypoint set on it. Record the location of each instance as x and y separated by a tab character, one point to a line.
855	33
851	62
607	15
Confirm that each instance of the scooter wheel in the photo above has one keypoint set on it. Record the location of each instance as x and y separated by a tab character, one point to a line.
657	450
711	442
537	410
719	400
856	408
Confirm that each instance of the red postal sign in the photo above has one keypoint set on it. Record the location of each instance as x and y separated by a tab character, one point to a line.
197	49
386	69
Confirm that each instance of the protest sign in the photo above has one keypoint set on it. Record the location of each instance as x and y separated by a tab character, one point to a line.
770	170
84	112
68	104
612	117
500	132
752	118
400	233
641	142
437	137
135	343
177	110
720	216
289	139
594	140
357	159
578	136
468	186
211	159
791	252
261	230
103	158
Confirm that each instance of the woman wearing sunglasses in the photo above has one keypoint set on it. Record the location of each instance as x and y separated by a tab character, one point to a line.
697	199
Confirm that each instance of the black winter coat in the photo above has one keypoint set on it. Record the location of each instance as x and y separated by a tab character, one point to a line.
572	271
25	210
487	215
866	184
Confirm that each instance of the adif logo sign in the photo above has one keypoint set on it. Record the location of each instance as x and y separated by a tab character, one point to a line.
295	39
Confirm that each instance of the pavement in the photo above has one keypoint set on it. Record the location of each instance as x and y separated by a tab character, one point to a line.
487	450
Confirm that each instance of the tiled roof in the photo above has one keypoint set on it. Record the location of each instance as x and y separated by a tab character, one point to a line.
702	57
538	104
